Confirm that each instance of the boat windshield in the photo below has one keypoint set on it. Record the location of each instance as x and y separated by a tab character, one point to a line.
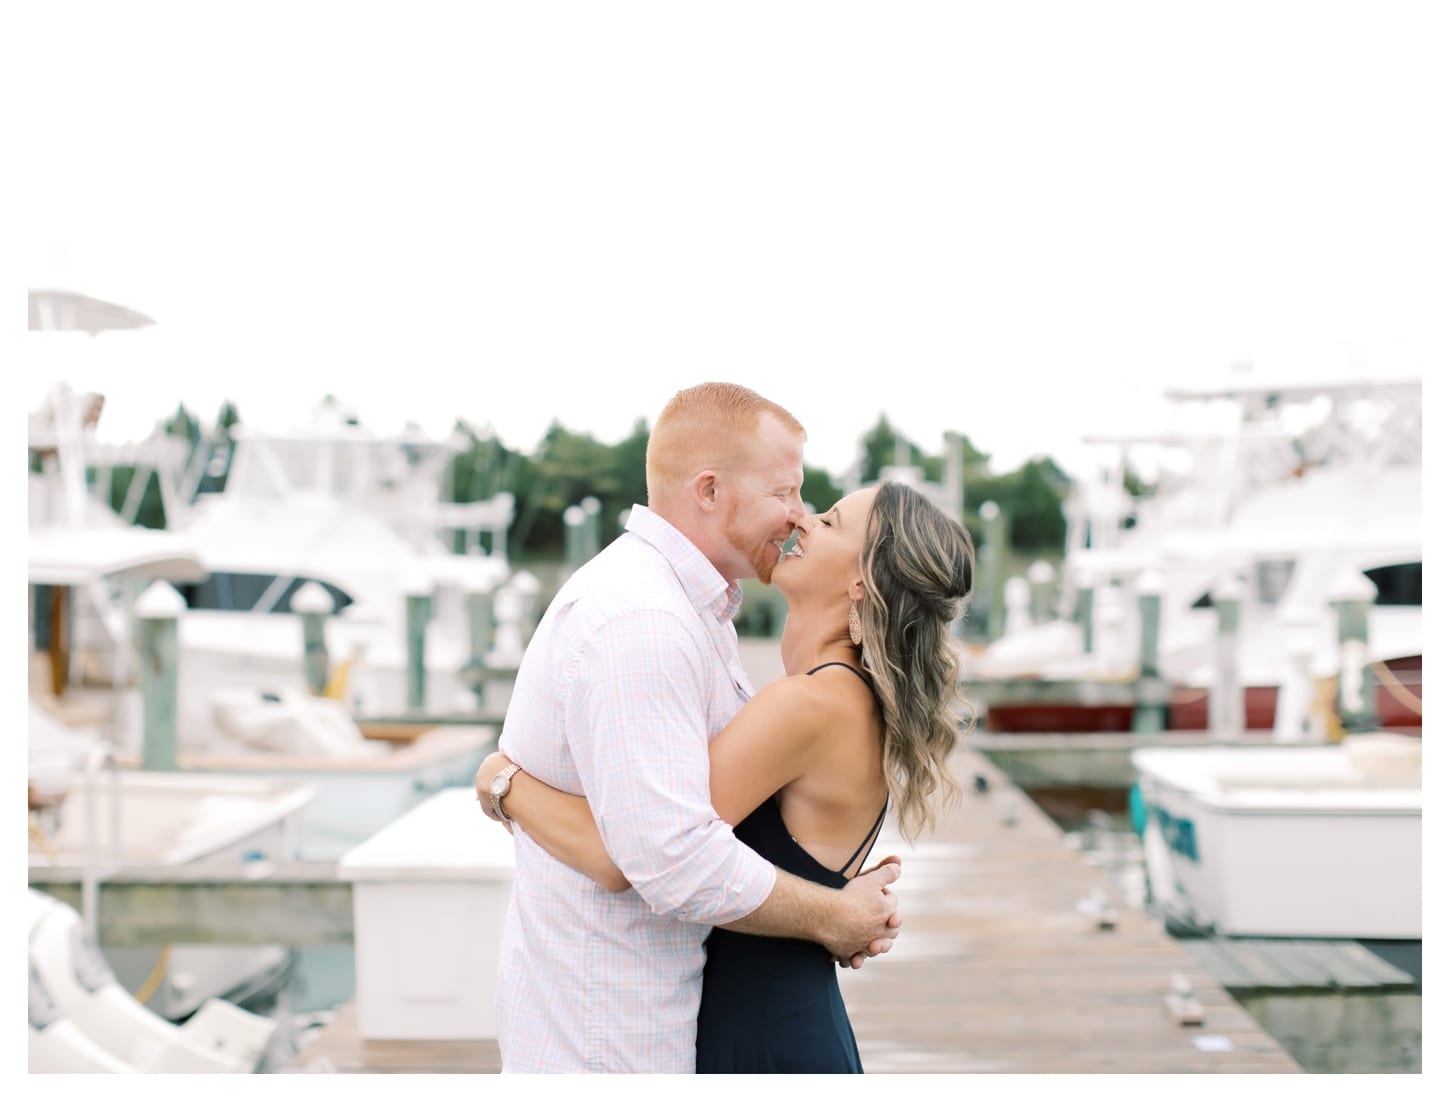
230	591
1271	580
1399	584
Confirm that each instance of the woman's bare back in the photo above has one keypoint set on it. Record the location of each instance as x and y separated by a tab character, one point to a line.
835	806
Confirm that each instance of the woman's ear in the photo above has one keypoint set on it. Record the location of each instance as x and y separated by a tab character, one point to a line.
858	590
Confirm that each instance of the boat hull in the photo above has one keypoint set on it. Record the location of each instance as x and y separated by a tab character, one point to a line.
1282	841
1067	712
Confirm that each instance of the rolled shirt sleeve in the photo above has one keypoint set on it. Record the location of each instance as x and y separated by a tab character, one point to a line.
635	709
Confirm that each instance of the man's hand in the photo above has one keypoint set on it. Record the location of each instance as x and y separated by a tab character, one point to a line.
491	767
869	922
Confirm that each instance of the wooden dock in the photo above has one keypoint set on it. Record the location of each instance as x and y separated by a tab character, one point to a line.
1002	967
341	1049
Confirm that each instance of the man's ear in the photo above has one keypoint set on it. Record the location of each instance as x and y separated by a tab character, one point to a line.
706	489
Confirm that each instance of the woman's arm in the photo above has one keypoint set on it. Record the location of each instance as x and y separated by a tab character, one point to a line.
772	741
559	822
768	744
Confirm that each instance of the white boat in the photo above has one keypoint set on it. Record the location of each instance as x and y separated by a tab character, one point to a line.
358	514
283	735
360	783
92	818
82	1020
1308	486
330	503
1293	841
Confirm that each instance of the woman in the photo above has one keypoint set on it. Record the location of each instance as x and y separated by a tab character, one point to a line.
863	719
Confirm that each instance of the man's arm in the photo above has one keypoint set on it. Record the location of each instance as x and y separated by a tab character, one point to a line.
860	920
563	825
857	922
780	735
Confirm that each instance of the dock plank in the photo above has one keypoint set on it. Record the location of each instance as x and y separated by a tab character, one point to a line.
998	970
341	1049
1219	961
1282	964
1352	965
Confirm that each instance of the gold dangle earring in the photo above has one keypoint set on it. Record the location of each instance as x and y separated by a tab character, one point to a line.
853	624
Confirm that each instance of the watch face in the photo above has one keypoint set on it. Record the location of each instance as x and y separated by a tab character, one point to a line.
499	785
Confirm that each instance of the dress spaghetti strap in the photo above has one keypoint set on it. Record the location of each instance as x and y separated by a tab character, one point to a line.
870	838
848	666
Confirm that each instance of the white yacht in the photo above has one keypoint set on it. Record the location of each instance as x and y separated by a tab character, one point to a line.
1307	485
331	503
243	704
91	818
82	1020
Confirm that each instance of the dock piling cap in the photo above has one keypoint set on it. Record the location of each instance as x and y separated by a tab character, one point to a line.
417	583
311	597
524	582
1353	585
479	574
1230	587
160	601
1150	583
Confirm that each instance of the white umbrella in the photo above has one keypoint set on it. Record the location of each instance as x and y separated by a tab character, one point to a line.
73	311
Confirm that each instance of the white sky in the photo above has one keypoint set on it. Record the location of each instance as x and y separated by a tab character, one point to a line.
1017	221
1020	220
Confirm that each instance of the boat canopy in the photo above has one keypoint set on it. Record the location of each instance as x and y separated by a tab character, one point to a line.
79	556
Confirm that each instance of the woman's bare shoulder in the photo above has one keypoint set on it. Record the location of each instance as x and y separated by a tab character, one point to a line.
827	690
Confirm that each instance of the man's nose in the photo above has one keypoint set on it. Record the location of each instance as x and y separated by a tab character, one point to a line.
795	510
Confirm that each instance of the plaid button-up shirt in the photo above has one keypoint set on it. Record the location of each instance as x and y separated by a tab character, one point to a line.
631	671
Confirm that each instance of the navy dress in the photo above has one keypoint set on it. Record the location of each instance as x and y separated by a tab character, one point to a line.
773	1005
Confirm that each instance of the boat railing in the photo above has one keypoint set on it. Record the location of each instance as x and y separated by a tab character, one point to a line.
91	876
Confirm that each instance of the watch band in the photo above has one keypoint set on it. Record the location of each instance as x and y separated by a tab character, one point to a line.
499	788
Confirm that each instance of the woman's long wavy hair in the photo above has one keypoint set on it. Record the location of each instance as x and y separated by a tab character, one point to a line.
918	567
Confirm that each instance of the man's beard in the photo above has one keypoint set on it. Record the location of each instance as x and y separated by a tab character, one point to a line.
762	554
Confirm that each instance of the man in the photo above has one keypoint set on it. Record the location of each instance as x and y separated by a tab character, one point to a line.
633	668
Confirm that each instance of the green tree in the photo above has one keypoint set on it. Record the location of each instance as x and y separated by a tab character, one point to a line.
974	462
1031	497
819	490
625	484
1135	485
883	446
227	418
150	513
569	467
183	423
220	447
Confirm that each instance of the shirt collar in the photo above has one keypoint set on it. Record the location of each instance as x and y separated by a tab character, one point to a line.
703	584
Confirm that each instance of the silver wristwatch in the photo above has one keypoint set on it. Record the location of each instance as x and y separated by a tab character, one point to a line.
498	788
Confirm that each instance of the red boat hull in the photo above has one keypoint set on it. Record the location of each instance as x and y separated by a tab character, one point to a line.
1188	709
